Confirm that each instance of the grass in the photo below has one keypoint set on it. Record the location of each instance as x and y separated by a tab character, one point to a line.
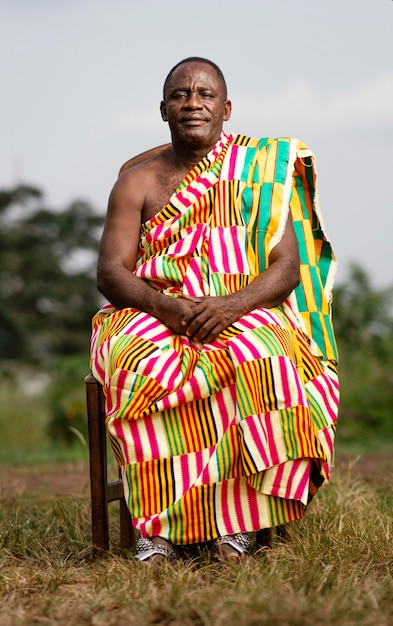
335	569
23	430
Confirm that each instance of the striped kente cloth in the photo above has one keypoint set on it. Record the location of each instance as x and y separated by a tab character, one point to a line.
236	435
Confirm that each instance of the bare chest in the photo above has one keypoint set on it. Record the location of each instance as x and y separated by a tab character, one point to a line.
159	192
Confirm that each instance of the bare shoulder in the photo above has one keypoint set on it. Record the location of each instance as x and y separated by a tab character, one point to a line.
143	173
143	156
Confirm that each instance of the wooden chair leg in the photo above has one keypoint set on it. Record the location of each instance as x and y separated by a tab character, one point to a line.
264	537
98	467
127	533
103	492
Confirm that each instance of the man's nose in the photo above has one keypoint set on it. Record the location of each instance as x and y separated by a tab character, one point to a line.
194	100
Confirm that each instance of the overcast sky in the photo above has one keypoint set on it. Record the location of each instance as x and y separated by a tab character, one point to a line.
81	83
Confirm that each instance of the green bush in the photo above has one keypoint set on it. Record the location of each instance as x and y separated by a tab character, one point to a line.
67	400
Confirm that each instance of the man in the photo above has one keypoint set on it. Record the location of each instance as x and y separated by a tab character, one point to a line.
217	353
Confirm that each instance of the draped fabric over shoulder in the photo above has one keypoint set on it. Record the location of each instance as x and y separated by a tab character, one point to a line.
235	435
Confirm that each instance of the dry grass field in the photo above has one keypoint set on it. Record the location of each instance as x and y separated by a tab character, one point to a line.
336	568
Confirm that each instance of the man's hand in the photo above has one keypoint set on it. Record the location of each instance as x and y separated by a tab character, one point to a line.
174	310
208	317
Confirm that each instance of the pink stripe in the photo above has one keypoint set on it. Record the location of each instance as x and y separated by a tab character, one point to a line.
277	480
180	396
118	427
160	375
236	351
238	254
247	323
148	422
185	472
224	251
140	328
181	198
236	344
326	400
148	366
302	483
155	525
292	398
285	388
253	507
223	411
333	388
263	316
195	388
205	182
290	478
232	163
100	370
270	439
113	407
193	279
157	231
229	530
199	463
238	504
187	246
257	441
160	336
136	440
171	382
329	439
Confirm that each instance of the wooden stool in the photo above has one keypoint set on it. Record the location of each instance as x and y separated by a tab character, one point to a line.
102	491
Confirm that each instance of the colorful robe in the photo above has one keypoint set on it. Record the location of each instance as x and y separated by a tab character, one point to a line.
235	435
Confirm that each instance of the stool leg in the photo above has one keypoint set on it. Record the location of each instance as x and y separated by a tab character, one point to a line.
98	467
127	534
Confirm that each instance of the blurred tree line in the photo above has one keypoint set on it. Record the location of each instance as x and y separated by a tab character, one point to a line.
48	296
363	321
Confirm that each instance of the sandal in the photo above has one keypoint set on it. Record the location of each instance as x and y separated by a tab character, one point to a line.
156	549
232	548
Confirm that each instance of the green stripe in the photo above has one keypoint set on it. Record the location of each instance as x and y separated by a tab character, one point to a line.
299	231
248	163
291	443
243	396
302	197
282	161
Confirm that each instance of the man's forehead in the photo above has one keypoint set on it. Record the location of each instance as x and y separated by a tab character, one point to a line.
192	70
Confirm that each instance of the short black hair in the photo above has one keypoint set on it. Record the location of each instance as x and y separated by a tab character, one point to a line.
198	60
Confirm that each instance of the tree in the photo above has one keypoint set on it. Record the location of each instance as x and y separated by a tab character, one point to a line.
47	277
363	314
364	327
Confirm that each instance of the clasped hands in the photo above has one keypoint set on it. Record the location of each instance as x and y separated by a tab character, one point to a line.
203	318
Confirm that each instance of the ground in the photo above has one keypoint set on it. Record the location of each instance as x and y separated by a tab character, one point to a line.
73	478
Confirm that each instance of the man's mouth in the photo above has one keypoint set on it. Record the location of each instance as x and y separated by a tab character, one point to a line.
193	121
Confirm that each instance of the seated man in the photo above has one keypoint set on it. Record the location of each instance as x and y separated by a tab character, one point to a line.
216	352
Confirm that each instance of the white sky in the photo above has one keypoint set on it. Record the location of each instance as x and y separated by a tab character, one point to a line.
81	84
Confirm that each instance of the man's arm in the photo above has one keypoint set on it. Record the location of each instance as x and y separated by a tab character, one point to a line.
118	254
212	315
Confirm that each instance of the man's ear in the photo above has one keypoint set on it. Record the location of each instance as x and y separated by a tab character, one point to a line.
227	110
163	111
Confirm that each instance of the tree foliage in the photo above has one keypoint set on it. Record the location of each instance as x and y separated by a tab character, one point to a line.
47	277
362	313
364	327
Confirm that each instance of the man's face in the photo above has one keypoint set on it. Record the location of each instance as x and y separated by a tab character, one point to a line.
194	105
